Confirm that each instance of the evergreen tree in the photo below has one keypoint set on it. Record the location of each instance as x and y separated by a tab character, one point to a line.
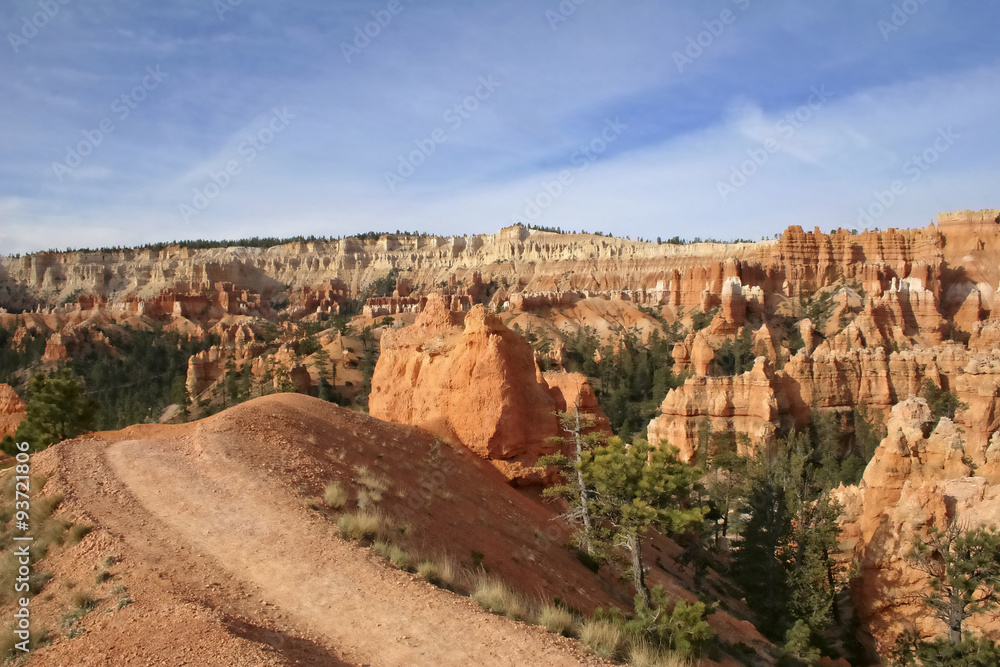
635	489
327	373
964	570
727	486
942	403
575	490
57	409
761	559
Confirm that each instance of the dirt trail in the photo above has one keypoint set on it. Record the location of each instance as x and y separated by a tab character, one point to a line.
211	518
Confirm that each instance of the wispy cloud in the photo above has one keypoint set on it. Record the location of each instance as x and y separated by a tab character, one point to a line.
687	130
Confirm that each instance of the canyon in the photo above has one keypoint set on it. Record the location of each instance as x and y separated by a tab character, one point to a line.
763	336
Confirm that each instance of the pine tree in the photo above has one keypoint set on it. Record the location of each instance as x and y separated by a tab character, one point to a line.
57	409
761	560
575	491
636	488
964	570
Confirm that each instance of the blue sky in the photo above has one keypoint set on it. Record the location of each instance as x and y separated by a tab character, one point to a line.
127	122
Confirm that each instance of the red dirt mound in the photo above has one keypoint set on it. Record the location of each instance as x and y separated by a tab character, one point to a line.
214	555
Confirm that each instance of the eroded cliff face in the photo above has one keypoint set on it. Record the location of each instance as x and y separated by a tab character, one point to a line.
919	477
900	309
473	381
321	273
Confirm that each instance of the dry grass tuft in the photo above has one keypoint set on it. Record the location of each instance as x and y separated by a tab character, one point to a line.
7	641
495	596
393	554
443	573
335	495
364	525
78	532
42	508
556	620
82	601
643	654
602	637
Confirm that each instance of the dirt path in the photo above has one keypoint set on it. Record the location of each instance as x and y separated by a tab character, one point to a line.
219	521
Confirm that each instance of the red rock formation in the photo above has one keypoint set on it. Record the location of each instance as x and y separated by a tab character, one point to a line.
12	410
742	403
572	391
916	479
476	384
56	347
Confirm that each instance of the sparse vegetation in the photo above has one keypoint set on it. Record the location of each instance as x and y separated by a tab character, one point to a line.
364	525
557	620
701	319
442	572
941	402
77	532
602	637
373	487
394	554
497	597
81	605
642	653
335	495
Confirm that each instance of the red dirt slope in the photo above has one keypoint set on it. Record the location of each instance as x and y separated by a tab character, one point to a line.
207	529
